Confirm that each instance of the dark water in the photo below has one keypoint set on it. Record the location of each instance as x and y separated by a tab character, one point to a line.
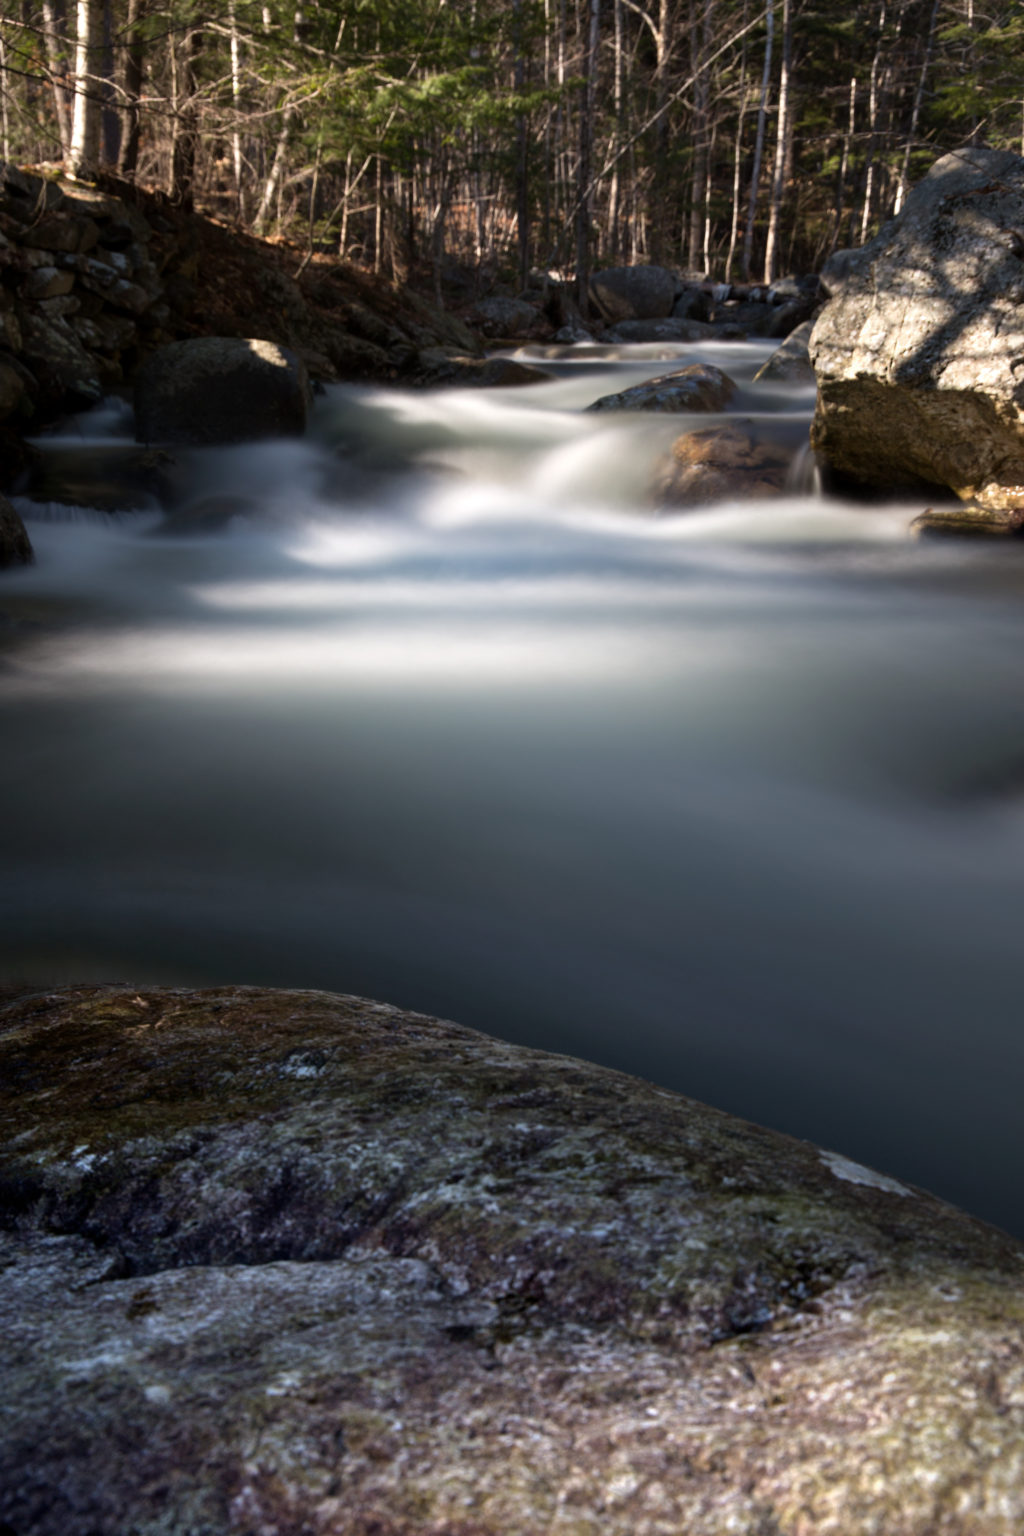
732	800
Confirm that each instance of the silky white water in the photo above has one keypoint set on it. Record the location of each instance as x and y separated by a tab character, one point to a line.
431	706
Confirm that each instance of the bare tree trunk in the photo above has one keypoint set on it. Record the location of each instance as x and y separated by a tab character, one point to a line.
236	107
5	119
273	181
57	63
522	154
869	165
737	161
762	113
85	125
132	66
781	141
186	126
584	195
614	190
904	181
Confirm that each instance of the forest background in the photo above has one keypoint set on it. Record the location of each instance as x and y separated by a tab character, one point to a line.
726	137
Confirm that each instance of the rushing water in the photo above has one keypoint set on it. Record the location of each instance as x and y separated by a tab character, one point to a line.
447	717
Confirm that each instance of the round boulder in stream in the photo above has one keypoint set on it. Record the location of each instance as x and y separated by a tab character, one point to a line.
697	387
220	389
720	463
295	1262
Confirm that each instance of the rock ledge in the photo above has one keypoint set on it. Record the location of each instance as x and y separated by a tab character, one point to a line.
294	1262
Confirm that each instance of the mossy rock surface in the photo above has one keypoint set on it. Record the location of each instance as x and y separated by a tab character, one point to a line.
293	1262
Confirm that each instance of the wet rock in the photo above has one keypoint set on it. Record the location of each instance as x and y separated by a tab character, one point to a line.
969	523
691	304
15	546
918	356
791	362
697	387
720	463
634	293
292	1261
673	329
218	389
68	375
444	366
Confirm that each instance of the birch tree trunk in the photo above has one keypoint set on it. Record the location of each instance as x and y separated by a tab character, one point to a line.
85	124
762	114
57	63
781	145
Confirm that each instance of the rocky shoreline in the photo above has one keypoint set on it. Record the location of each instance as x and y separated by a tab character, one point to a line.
296	1262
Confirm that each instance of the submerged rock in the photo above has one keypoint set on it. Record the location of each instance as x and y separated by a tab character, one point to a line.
288	1261
969	523
15	546
697	387
718	464
220	389
918	355
673	329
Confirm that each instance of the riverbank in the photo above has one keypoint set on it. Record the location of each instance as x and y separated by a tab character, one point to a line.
301	1261
94	277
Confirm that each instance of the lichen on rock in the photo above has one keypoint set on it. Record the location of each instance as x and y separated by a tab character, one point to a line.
297	1262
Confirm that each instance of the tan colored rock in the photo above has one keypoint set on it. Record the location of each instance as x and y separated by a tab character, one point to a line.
919	355
293	1262
969	522
720	463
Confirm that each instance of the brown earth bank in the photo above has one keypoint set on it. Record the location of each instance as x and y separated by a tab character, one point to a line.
292	1262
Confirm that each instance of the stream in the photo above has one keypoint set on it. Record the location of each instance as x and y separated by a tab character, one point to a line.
430	706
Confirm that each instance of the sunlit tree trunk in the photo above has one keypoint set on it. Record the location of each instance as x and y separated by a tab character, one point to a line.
55	42
85	124
781	144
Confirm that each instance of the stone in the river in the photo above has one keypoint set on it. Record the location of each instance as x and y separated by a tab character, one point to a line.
220	389
969	523
791	362
720	463
673	329
293	1262
919	355
634	293
697	387
15	546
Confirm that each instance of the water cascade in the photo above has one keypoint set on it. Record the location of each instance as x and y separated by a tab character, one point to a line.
432	706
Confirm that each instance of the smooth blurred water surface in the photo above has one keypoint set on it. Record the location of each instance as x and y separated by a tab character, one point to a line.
448	717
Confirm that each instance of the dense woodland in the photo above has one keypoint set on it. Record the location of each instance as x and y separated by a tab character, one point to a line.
736	138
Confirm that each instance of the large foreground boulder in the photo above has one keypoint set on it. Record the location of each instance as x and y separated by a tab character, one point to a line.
220	389
292	1262
919	355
